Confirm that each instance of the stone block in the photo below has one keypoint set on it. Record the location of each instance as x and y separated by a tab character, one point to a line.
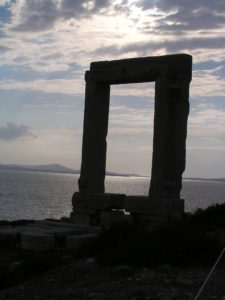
54	224
13	233
9	233
37	241
81	219
146	205
150	224
37	225
67	226
37	229
62	232
98	201
110	218
86	211
75	241
94	229
58	230
155	218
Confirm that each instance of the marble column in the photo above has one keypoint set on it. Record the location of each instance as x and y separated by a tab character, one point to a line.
169	143
95	130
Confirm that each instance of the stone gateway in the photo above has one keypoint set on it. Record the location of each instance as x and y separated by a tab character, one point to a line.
172	75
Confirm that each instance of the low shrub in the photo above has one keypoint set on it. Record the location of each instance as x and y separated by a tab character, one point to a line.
190	241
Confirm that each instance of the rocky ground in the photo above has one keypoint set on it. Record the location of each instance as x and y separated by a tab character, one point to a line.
123	263
85	279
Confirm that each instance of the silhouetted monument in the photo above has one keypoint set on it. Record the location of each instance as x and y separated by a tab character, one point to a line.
172	76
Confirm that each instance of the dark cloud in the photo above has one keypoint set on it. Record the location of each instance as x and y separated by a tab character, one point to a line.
191	5
188	15
171	46
4	49
177	16
40	15
36	15
12	131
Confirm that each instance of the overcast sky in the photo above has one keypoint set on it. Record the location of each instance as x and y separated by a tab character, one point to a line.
45	48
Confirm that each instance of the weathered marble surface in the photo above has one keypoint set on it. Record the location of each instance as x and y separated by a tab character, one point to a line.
172	75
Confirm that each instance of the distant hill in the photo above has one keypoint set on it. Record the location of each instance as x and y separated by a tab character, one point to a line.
56	168
39	168
205	179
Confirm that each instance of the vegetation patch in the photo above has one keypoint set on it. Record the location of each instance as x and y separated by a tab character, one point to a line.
190	241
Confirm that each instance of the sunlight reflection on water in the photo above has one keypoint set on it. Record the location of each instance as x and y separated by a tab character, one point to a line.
34	195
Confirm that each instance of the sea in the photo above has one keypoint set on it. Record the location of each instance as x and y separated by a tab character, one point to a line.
41	195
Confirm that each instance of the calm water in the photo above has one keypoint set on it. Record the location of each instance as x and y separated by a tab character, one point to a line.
33	195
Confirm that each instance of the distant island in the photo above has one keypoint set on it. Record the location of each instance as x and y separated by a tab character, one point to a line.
205	179
55	168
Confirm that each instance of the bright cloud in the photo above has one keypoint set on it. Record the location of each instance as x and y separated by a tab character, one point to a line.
61	86
46	46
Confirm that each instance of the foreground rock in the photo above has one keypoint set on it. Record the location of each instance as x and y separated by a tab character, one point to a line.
46	235
84	280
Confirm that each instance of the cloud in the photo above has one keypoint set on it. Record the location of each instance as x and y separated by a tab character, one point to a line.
41	15
187	15
12	131
128	131
207	83
4	49
206	126
98	37
4	2
61	86
171	45
135	89
135	118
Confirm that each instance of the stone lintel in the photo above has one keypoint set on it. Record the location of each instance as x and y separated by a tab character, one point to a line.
146	205
144	69
98	201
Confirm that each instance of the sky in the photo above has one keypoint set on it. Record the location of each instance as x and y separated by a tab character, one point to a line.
47	45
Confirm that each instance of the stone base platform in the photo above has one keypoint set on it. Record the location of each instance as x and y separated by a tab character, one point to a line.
106	209
99	201
47	235
172	208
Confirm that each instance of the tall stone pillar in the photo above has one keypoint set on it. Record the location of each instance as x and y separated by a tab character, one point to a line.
95	130
172	74
170	131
